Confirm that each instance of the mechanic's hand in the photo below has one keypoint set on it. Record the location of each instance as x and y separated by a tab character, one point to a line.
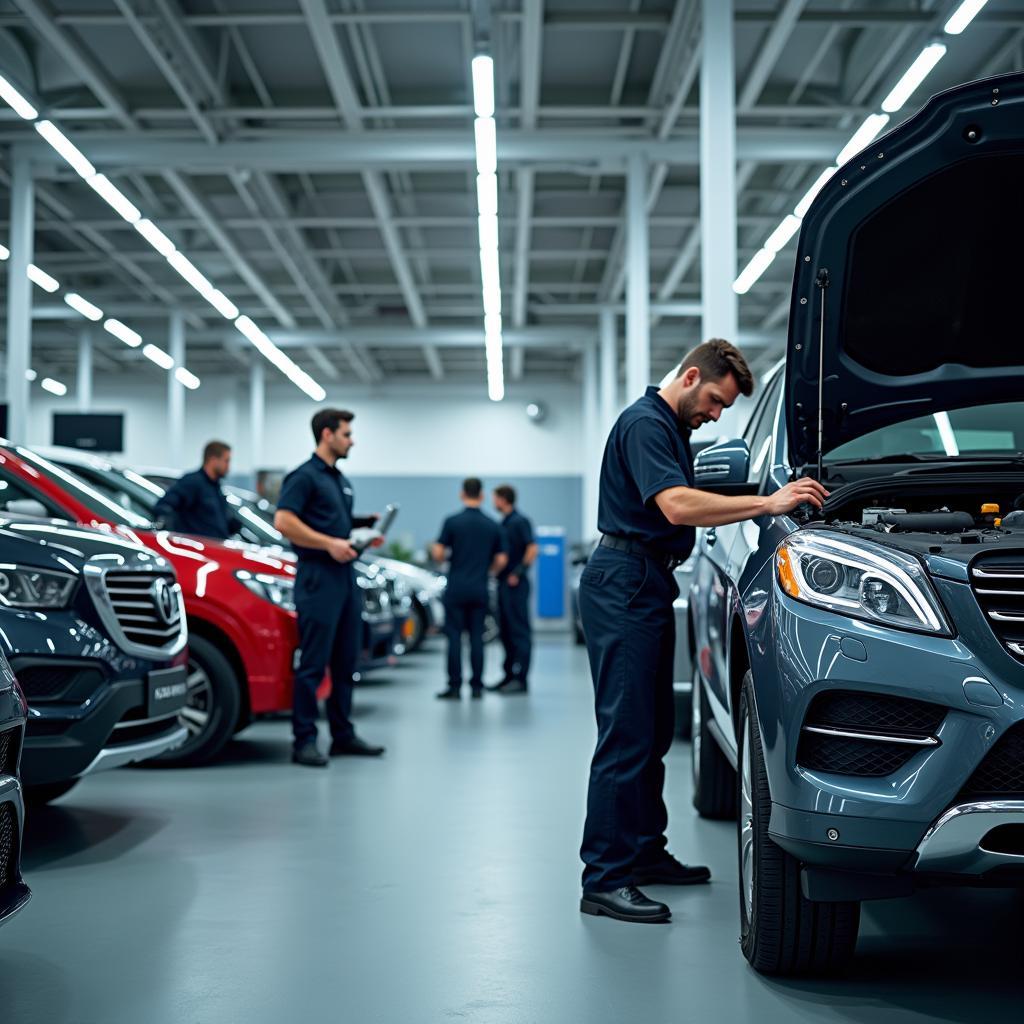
512	580
796	493
342	551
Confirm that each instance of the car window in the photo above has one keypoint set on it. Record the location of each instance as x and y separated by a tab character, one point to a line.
759	437
13	490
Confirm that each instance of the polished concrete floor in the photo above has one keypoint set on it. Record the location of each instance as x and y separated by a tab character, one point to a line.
438	884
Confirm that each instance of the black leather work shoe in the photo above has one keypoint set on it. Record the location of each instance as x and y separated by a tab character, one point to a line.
476	693
448	695
355	747
310	756
495	687
516	686
625	904
670	872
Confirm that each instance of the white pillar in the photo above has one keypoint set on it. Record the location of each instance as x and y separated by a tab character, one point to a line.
593	442
176	393
609	371
718	173
257	414
638	289
83	385
19	296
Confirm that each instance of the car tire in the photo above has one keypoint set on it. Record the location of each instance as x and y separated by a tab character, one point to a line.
684	713
714	781
781	932
212	706
47	792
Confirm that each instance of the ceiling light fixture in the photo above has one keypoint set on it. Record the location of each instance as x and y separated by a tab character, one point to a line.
107	191
40	277
157	355
55	387
186	377
67	149
269	350
83	306
156	238
16	101
862	137
122	332
759	263
912	78
963	16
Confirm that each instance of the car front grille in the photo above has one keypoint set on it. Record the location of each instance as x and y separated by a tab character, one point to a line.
998	584
54	682
10	744
134	601
1001	771
851	733
8	845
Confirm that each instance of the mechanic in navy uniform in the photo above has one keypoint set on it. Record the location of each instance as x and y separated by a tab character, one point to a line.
514	592
314	512
473	543
195	502
647	513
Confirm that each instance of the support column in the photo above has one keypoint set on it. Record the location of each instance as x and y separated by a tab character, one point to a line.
609	375
176	393
718	173
19	296
593	442
257	414
83	385
638	287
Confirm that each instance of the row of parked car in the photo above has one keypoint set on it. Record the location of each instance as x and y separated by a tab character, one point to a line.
123	642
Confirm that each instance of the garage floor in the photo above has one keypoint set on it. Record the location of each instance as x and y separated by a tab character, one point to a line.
438	884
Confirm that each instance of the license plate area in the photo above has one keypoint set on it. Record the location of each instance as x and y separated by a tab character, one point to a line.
166	689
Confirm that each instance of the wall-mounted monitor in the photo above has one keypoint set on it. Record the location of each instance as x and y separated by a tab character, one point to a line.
90	431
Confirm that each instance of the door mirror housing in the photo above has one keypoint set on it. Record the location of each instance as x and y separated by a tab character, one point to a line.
28	507
724	467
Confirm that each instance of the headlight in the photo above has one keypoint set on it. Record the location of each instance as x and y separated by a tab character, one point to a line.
859	579
279	590
35	588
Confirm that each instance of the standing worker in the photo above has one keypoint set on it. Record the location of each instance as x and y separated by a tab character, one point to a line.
314	512
514	592
647	513
195	502
475	545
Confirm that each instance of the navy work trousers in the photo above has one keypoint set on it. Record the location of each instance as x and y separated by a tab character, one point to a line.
516	636
465	615
329	605
626	608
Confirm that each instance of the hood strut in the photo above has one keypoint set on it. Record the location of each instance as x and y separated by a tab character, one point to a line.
822	281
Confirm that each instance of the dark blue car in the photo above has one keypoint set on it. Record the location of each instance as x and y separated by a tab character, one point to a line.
14	893
859	672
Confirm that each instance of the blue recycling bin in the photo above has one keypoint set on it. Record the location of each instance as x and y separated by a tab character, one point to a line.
551	573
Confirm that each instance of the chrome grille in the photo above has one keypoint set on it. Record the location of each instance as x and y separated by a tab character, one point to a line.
998	584
133	598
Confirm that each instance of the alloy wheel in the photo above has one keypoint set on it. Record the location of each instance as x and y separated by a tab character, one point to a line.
195	715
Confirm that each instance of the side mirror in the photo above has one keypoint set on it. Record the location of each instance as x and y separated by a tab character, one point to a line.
723	467
27	507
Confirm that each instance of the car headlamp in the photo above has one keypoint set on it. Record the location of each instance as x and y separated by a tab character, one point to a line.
853	577
278	590
35	588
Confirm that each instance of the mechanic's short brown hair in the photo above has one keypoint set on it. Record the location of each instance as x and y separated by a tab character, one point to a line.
329	419
214	450
506	492
715	359
472	487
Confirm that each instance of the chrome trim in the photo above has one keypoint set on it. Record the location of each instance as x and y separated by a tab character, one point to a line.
95	577
131	723
682	686
953	843
1017	648
999	593
909	741
1003	617
984	574
117	757
712	469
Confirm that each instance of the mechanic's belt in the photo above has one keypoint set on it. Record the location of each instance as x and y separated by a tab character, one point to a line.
634	547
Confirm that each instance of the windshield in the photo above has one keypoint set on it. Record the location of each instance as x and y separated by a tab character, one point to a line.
95	500
977	430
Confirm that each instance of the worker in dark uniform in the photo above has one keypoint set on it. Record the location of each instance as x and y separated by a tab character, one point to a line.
647	513
196	504
314	512
473	542
514	592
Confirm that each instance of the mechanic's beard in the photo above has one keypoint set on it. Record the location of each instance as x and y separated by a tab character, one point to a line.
688	412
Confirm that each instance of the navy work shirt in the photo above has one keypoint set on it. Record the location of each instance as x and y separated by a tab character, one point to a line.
647	451
474	538
321	496
195	504
518	537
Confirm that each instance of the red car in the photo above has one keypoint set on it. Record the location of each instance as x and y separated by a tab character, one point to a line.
238	599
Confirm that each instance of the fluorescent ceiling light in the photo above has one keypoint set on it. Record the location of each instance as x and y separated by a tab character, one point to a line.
40	277
83	306
913	77
781	236
487	195
492	302
486	145
862	137
492	324
483	86
186	377
16	101
222	304
106	189
156	238
30	375
946	434
54	387
190	272
267	348
159	356
801	208
963	16
487	231
759	263
122	332
67	149
496	386
4	252
489	272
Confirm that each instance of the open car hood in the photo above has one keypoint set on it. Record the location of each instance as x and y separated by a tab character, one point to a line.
919	238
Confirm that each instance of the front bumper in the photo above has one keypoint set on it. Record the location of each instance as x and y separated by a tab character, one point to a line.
14	893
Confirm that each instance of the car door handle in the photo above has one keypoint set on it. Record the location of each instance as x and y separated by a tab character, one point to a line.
711	538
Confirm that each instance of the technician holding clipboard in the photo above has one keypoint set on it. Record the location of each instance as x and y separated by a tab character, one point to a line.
315	513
